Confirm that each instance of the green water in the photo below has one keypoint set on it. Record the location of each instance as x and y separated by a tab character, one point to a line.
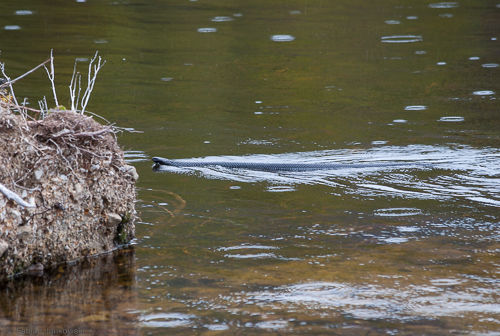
363	251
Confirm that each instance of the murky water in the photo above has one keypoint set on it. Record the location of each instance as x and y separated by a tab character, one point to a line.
406	250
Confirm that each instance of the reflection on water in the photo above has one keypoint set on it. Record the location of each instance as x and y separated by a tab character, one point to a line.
74	299
380	250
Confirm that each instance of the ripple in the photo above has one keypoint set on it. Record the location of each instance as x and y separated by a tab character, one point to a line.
167	320
135	156
397	212
444	5
395	240
23	12
400	121
281	188
101	41
452	119
276	324
401	39
282	38
392	22
12	27
441	63
379	142
251	256
415	108
222	19
207	30
490	65
371	301
245	247
474	58
483	93
166	79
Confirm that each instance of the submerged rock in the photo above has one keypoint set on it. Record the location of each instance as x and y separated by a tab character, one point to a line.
72	169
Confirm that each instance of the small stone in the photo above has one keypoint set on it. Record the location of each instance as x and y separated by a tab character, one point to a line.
131	171
3	247
35	269
24	231
114	219
38	174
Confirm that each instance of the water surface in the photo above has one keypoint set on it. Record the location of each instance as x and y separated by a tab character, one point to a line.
384	250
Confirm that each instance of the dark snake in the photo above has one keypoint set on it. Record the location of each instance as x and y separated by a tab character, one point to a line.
294	167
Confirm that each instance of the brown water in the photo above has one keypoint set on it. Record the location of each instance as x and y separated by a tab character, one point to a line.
374	251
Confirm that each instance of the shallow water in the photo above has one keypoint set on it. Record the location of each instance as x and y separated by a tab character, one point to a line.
395	250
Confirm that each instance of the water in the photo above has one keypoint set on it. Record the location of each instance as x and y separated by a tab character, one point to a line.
406	250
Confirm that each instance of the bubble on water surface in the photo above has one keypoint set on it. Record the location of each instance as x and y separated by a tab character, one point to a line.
400	121
23	12
222	19
415	108
12	27
474	58
401	39
452	119
207	30
483	93
234	187
282	38
444	5
441	63
392	22
412	17
490	65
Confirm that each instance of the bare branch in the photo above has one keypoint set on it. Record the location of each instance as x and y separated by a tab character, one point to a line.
91	78
76	81
25	74
2	67
51	76
15	197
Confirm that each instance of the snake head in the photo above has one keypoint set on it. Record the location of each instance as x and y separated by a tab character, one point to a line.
162	161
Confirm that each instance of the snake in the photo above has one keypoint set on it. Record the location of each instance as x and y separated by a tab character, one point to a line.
272	166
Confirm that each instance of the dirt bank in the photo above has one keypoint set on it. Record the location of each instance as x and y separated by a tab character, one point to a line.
76	191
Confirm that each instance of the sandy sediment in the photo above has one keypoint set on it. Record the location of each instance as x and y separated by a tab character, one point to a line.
71	169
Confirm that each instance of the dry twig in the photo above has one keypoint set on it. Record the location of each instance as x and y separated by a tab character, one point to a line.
15	197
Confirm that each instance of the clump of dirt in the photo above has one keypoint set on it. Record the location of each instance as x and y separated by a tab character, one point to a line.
71	168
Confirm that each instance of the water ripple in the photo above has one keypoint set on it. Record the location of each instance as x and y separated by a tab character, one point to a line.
282	38
401	39
431	172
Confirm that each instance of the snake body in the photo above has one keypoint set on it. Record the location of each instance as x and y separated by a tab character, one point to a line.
294	167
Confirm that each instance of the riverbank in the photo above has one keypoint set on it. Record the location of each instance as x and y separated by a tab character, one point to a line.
67	192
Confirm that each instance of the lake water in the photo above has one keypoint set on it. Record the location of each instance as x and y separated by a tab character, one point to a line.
397	250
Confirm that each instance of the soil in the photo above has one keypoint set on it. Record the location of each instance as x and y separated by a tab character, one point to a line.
73	170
